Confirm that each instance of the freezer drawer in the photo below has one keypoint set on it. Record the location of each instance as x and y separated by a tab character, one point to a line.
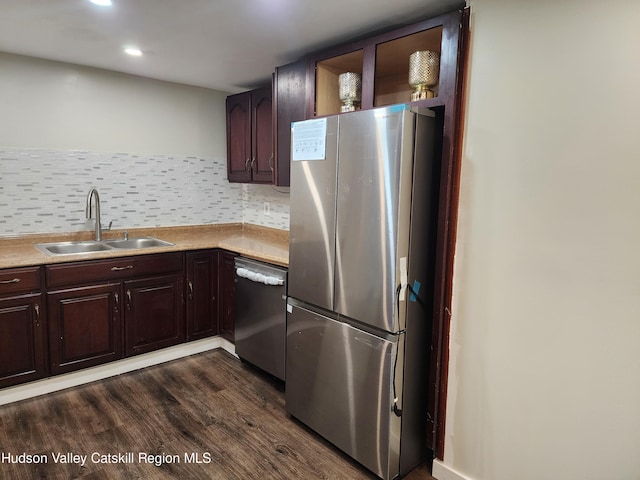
260	329
339	384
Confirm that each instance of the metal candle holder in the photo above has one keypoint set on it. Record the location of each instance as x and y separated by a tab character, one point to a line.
350	87
424	72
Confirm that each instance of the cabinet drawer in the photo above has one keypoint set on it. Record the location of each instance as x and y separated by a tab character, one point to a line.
114	269
19	280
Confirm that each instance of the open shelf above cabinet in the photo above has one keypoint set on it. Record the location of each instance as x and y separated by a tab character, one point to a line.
391	81
327	74
383	63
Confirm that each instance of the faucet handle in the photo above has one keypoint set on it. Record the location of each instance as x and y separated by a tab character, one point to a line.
108	227
126	235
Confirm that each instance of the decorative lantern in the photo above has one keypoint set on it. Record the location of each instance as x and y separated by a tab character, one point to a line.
350	87
424	72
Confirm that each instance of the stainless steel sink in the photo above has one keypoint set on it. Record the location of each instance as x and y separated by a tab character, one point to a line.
71	248
67	248
146	242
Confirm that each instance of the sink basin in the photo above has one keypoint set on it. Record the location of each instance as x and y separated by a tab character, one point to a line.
147	242
66	248
70	248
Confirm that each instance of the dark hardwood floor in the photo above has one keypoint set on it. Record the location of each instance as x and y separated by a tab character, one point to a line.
209	405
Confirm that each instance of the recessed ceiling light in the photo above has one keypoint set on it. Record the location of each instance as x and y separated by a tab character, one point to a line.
133	51
102	3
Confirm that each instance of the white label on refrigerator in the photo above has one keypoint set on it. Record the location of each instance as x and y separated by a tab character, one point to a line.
308	139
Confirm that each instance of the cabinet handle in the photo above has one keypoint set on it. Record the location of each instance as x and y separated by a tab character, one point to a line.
253	164
190	289
117	298
13	280
128	299
271	162
36	307
247	163
118	269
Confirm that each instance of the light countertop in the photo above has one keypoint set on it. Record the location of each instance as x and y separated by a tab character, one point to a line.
262	243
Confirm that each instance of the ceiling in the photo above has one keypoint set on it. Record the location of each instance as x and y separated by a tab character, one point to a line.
228	45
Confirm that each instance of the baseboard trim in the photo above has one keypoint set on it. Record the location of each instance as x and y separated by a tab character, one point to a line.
60	382
440	471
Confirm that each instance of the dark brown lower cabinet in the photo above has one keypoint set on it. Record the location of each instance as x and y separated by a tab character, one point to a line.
202	294
154	316
227	289
104	310
85	326
22	339
97	311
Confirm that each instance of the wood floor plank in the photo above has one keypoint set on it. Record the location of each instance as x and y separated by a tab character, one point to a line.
208	405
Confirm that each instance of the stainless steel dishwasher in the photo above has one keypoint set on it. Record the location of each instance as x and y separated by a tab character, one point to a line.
260	324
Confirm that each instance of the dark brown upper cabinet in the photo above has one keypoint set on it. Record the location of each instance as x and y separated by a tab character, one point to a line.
289	105
250	151
383	63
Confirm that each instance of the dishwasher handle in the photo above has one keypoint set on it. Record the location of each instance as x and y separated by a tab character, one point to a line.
258	277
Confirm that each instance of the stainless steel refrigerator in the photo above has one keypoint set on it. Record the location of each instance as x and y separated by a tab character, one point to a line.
363	197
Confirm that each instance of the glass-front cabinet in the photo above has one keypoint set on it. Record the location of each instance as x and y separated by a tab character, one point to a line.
416	63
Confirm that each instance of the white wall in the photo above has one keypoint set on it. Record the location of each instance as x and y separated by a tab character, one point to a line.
62	106
544	378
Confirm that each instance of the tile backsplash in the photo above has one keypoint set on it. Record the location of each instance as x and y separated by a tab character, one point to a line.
44	191
254	198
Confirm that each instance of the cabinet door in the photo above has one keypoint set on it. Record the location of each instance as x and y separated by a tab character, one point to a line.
154	315
239	137
22	345
85	327
289	107
202	294
262	162
227	289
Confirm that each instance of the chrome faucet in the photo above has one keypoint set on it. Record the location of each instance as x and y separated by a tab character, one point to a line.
94	193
